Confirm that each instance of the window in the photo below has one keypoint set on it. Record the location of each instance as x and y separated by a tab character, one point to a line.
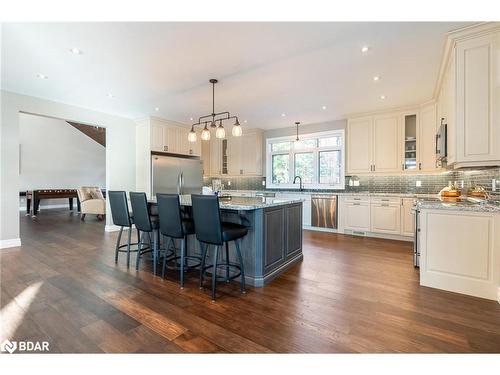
304	167
318	158
281	167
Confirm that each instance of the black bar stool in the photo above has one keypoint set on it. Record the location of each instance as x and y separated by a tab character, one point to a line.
174	226
211	231
146	224
122	218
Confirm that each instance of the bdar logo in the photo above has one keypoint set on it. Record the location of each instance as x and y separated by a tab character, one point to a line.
8	346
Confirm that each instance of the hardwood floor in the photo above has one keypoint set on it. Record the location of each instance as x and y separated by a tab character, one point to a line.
350	294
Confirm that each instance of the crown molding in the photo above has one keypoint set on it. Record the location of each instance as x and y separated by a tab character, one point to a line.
452	37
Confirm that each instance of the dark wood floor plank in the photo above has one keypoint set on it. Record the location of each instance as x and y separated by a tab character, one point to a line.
350	294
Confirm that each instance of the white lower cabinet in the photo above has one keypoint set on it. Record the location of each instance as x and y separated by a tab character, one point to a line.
407	218
460	251
385	218
356	216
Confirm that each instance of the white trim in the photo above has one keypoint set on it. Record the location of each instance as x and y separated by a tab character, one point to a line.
115	228
498	295
48	206
14	242
316	150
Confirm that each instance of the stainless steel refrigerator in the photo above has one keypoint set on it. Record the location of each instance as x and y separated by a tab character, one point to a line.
176	175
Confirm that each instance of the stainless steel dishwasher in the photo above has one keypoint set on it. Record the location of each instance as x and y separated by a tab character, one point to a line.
324	211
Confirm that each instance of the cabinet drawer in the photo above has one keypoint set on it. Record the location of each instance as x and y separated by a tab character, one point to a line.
357	199
357	216
386	200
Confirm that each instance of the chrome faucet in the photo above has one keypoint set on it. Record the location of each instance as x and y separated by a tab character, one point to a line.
300	179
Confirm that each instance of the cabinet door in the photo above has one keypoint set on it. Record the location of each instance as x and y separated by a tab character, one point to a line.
407	218
478	118
170	139
359	146
385	218
251	156
234	155
357	216
205	157
386	144
196	147
156	138
215	157
427	140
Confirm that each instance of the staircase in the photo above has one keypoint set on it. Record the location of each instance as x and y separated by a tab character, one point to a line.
96	133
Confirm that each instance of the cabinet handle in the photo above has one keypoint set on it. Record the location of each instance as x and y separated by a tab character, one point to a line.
241	171
356	204
419	166
190	151
385	204
373	167
357	199
403	166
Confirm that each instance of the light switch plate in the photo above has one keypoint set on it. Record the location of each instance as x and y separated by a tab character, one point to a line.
356	182
229	183
263	183
418	183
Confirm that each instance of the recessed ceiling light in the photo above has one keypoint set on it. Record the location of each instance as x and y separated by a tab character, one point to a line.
110	95
157	109
382	97
41	76
76	51
283	114
365	49
190	119
376	78
323	108
245	121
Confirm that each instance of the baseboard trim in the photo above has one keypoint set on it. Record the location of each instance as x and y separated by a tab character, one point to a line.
114	228
14	242
48	207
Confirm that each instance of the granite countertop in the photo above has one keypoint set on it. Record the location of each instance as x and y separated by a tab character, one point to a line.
243	203
459	204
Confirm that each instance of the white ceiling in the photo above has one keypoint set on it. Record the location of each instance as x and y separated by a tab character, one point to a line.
265	69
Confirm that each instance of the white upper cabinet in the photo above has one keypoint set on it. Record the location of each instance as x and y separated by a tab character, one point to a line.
477	100
167	137
386	144
236	156
373	144
251	153
359	145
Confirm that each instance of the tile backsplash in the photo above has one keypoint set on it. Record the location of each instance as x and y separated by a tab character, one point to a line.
429	183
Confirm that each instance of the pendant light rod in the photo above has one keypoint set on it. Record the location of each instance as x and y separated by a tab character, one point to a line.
297	123
216	116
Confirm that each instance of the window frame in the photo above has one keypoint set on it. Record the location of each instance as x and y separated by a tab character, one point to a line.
315	185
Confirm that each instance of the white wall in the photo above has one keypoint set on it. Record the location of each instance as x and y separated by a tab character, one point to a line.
120	152
54	154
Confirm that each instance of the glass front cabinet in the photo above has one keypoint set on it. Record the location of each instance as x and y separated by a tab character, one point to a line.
410	130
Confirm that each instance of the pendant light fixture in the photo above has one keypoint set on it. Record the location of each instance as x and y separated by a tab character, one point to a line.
212	119
297	123
236	130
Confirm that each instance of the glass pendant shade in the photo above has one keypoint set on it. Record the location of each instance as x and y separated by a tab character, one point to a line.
205	134
192	136
220	132
236	131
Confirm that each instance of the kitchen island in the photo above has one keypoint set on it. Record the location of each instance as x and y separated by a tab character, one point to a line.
274	240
